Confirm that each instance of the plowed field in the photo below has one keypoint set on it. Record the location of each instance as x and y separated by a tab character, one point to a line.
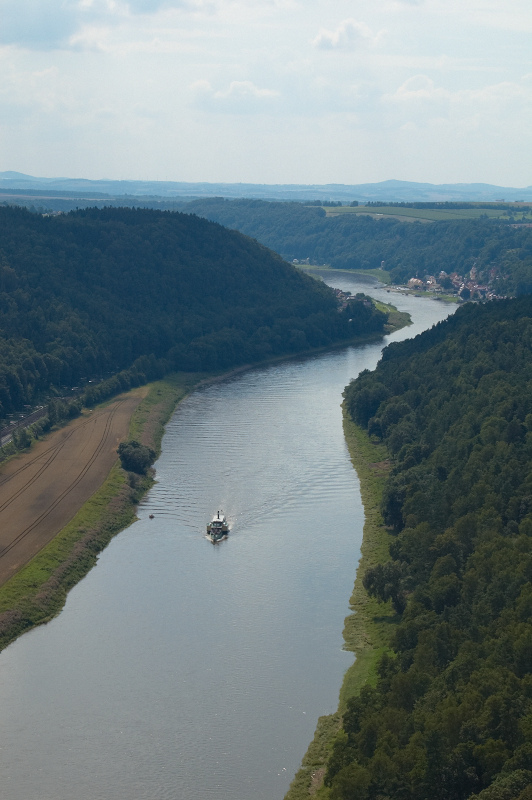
42	490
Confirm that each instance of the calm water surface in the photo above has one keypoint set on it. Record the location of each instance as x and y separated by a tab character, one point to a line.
185	671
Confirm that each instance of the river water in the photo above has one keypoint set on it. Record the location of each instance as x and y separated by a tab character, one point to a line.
183	670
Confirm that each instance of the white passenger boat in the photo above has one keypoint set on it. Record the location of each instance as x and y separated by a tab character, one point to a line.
217	529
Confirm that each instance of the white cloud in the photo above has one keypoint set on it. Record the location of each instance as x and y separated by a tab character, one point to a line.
154	6
240	97
113	84
515	16
419	89
38	24
30	90
348	35
420	103
400	3
49	24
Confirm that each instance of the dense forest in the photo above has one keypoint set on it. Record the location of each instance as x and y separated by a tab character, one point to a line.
451	714
408	249
135	293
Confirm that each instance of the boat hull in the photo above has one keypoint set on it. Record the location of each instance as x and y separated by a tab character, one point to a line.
216	537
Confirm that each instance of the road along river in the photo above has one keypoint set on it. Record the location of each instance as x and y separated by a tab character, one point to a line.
183	670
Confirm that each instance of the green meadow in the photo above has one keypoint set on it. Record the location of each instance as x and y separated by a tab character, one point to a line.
519	212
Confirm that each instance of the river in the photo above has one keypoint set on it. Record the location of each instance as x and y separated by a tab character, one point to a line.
183	670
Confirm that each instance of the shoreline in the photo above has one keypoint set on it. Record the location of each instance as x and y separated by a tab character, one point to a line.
37	592
383	276
369	626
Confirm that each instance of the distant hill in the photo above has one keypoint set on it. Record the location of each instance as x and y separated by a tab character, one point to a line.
500	253
137	293
390	190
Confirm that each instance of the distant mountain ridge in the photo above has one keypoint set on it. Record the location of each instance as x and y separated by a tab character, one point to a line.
17	183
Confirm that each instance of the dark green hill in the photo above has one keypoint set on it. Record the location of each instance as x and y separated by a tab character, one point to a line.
451	716
501	254
96	292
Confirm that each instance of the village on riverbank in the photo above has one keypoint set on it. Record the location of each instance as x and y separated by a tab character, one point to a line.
452	287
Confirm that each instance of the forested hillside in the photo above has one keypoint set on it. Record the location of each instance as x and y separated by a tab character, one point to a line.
408	249
140	293
451	716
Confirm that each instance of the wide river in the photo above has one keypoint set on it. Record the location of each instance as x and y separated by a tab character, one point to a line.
183	670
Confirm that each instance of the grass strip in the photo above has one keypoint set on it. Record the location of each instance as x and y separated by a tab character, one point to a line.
419	214
379	274
396	319
368	629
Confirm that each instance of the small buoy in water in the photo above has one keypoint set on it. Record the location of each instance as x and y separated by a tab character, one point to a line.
151	516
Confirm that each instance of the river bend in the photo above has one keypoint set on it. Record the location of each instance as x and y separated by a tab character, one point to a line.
180	670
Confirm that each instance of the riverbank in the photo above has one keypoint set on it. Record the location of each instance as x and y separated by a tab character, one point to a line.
38	590
381	275
384	277
368	629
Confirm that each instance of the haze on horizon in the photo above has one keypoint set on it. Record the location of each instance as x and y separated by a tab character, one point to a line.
268	91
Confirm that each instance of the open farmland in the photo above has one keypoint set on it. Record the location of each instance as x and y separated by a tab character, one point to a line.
518	211
43	488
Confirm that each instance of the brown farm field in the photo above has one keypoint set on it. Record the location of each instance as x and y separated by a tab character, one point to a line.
40	491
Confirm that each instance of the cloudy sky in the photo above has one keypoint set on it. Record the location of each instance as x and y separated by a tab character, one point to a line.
268	91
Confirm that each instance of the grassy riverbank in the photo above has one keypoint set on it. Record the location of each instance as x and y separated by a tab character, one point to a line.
368	629
378	274
38	591
396	319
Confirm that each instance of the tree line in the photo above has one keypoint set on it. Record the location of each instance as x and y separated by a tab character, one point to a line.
125	295
408	249
451	714
501	254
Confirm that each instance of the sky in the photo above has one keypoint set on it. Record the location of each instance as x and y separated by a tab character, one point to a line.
268	91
